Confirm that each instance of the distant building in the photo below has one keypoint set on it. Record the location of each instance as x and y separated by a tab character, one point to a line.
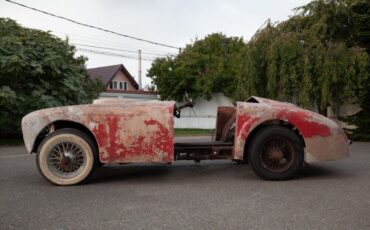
119	83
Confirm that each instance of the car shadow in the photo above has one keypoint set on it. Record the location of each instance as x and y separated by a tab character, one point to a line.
322	172
179	171
128	172
193	172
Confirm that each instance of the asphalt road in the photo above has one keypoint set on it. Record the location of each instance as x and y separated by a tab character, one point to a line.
211	195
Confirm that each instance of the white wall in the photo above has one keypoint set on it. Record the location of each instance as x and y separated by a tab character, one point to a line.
345	110
134	96
205	113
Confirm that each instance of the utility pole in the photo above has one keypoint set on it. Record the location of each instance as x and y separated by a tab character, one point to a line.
139	70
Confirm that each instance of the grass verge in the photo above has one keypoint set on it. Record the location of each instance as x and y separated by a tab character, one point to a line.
192	132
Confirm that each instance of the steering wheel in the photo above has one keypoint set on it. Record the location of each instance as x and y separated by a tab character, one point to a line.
176	112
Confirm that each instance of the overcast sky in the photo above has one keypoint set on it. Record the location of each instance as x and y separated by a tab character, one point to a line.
172	22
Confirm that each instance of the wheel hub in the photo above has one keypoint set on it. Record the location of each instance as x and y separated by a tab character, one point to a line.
66	159
277	154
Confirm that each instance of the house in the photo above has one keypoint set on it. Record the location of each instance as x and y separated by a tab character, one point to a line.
119	83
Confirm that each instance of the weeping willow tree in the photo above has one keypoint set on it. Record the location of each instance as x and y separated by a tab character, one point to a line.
311	59
317	58
361	37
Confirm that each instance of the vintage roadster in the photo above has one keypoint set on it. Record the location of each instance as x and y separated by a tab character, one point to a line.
275	138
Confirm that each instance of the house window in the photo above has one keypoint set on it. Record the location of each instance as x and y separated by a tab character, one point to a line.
118	85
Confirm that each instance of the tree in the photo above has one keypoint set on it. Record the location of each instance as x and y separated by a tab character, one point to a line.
310	59
203	68
317	58
361	14
38	70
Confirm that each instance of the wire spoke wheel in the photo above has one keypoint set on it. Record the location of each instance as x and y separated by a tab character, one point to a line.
66	159
277	155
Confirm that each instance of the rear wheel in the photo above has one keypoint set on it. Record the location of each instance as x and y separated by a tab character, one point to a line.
66	157
276	153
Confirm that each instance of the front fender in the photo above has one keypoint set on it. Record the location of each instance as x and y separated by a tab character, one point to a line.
34	122
125	131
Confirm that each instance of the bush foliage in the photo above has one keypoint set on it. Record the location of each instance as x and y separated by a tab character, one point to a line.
38	70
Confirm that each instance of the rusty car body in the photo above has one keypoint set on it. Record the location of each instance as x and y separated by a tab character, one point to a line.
274	137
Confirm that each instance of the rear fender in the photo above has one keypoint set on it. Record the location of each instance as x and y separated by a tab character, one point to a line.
324	140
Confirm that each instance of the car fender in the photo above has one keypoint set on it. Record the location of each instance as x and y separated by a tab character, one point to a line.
324	140
125	131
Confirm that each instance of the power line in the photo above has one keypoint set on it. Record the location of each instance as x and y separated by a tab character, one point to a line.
94	27
110	43
112	54
111	47
95	41
123	50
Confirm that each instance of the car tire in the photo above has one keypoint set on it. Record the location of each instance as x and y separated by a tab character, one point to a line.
66	157
276	153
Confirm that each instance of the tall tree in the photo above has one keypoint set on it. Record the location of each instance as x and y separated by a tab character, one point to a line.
204	67
38	70
317	58
361	15
310	59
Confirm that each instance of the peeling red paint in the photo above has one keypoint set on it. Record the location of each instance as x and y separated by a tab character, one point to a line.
101	135
112	122
162	139
129	131
301	120
313	127
129	138
244	124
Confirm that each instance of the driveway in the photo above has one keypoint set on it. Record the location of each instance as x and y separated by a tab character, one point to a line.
185	195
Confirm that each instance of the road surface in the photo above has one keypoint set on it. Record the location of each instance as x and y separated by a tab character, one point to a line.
185	195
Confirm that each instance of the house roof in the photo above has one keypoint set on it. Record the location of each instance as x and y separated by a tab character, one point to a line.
131	91
107	73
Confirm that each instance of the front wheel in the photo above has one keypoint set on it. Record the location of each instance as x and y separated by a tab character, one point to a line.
276	153
66	157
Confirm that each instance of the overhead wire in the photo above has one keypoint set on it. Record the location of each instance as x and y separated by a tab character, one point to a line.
104	47
94	41
123	50
112	54
93	27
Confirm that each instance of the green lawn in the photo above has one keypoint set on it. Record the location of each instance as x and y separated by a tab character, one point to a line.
192	132
11	141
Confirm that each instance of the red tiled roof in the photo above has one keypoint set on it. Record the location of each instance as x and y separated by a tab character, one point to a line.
107	73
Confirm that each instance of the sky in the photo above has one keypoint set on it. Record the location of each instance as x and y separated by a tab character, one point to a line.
172	22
